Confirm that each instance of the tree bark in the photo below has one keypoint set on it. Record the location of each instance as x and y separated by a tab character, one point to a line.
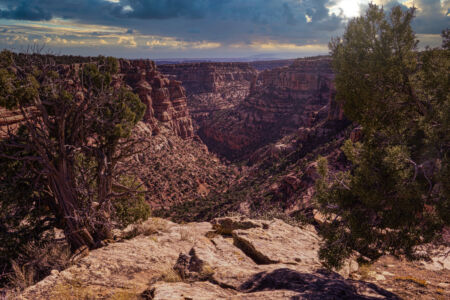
77	234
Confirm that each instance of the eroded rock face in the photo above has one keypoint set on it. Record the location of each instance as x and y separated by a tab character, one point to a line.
165	98
208	265
280	101
8	120
212	87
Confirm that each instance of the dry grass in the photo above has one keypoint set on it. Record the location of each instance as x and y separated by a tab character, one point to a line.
207	272
150	227
364	271
417	281
168	274
36	262
125	295
185	234
21	276
73	289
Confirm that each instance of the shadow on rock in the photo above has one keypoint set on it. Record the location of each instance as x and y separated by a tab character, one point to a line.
320	285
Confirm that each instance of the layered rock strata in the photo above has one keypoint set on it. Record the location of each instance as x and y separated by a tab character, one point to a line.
165	98
212	87
280	101
9	120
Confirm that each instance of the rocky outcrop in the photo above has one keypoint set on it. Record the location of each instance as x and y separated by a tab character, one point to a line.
212	87
9	120
165	98
280	101
199	261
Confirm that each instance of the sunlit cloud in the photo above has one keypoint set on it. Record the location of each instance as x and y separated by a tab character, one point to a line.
167	42
195	28
271	46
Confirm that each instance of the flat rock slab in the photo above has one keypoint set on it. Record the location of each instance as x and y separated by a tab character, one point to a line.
186	291
301	286
242	259
208	291
128	265
279	242
219	260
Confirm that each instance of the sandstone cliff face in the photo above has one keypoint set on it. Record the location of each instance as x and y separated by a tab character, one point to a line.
212	87
280	101
8	120
165	98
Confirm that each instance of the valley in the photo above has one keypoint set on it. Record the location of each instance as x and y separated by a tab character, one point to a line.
231	139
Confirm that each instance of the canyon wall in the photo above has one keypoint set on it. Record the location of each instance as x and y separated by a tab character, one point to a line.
262	65
281	101
165	98
212	87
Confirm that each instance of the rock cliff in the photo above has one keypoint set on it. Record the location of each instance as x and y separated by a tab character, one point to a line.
8	120
175	167
165	98
281	100
230	258
212	87
176	170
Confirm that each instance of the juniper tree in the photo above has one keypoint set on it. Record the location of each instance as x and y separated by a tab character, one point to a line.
68	162
396	195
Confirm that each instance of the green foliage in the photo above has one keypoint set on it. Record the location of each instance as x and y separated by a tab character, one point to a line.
64	166
24	212
130	209
396	195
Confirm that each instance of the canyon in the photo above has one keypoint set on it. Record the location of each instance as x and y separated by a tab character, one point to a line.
212	87
280	101
238	139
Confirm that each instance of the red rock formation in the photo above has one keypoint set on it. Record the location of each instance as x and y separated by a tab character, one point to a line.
8	120
212	87
280	101
165	98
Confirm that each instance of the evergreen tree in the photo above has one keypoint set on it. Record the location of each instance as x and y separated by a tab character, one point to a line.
396	195
67	164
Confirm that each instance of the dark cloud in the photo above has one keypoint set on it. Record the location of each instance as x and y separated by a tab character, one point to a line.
26	10
430	19
165	9
224	21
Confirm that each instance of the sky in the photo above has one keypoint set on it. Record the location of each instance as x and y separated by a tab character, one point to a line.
164	29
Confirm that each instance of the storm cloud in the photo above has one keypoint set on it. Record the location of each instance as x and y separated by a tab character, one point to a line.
229	23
